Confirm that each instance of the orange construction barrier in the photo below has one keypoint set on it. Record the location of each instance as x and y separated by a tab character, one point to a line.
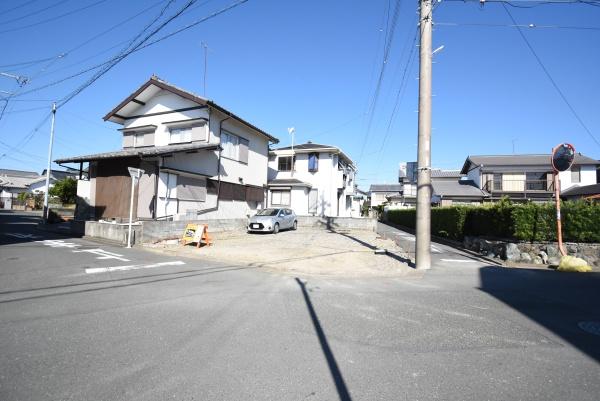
204	237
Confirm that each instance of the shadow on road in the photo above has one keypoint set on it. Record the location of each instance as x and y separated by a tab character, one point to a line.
558	301
336	374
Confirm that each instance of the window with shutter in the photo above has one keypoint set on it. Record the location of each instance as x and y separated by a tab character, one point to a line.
244	150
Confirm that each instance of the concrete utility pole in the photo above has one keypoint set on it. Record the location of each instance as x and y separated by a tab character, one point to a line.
45	216
423	241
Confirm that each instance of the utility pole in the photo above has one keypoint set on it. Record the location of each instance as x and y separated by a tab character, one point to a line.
423	237
45	216
205	46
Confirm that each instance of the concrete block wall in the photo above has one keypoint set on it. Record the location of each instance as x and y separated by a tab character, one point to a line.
113	232
155	231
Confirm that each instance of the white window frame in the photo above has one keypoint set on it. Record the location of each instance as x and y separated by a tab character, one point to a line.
278	197
184	133
136	139
230	143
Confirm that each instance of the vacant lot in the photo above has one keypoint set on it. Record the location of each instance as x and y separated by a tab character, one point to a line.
305	251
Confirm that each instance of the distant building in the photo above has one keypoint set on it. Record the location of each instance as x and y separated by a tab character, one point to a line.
381	193
526	177
588	192
313	179
12	183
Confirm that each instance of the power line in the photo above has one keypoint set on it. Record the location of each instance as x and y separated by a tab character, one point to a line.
35	12
387	47
19	6
127	50
560	92
105	63
17	148
20	28
529	26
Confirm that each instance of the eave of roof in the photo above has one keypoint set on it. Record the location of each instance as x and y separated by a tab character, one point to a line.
288	182
154	80
141	152
316	148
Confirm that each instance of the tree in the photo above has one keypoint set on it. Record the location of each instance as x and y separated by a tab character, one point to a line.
65	190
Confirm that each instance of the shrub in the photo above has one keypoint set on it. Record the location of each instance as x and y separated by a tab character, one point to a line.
503	220
65	190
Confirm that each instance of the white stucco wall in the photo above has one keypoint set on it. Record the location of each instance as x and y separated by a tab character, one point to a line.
327	179
587	177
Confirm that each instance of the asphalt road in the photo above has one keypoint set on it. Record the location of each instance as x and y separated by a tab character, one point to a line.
197	331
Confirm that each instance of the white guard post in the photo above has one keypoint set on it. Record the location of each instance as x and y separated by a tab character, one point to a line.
135	174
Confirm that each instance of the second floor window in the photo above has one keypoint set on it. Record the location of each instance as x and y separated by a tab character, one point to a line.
284	163
230	143
180	135
575	175
138	140
313	162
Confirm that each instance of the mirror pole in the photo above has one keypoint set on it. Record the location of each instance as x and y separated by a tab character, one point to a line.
558	217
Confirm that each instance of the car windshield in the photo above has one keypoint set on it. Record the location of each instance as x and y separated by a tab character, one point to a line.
268	212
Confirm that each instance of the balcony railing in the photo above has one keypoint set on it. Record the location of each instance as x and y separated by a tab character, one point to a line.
538	186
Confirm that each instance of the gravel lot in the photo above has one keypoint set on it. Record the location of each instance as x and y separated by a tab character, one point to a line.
304	252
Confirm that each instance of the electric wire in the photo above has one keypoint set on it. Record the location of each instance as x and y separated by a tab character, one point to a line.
529	26
549	76
19	6
20	28
35	12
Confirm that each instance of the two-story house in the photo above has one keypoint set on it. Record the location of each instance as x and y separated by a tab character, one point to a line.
313	179
526	177
198	159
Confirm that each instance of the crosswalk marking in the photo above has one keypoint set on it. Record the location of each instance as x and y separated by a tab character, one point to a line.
104	254
94	270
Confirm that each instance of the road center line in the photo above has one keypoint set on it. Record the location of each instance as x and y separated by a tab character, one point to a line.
94	270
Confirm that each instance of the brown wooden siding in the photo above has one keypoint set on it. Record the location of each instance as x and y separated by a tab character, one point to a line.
113	188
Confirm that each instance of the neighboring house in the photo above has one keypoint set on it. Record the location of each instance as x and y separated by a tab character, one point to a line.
450	187
589	192
313	179
198	158
526	177
39	185
381	192
12	183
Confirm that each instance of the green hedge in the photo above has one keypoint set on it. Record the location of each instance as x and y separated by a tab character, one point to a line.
526	222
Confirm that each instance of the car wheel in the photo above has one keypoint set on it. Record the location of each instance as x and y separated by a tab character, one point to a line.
295	226
276	228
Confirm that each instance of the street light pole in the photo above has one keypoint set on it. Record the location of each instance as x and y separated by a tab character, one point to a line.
423	234
45	215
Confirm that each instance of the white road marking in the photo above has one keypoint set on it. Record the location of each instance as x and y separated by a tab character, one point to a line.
58	243
459	260
17	235
104	254
435	249
131	267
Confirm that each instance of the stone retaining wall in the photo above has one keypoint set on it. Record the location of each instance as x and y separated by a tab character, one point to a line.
541	253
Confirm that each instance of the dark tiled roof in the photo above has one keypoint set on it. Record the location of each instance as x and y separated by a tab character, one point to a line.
289	182
463	188
385	188
149	151
446	174
521	160
308	145
18	173
162	84
593	189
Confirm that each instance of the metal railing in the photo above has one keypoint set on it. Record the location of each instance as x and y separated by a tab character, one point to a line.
518	186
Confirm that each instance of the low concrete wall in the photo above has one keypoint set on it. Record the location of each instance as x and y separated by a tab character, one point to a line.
155	231
112	232
338	223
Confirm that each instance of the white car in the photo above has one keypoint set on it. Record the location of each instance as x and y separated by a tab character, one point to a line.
272	220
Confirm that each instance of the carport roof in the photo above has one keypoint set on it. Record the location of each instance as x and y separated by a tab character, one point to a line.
141	152
288	182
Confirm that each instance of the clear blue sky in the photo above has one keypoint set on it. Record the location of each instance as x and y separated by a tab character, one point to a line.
313	65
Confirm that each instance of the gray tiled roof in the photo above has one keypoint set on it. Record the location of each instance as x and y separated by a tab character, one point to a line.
463	188
149	151
308	145
521	160
582	190
446	174
18	173
385	188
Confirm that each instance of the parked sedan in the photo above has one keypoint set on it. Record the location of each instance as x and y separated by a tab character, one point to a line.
273	220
